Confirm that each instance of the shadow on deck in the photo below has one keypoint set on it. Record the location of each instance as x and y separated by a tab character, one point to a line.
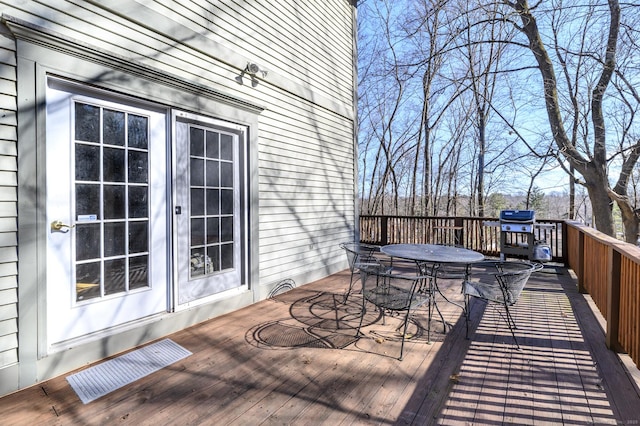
294	359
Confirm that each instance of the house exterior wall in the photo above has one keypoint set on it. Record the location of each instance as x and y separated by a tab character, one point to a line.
8	205
187	55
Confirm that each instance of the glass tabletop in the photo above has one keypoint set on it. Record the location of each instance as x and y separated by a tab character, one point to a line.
432	253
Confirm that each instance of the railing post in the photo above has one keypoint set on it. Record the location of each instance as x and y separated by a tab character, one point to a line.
580	266
565	242
458	231
384	229
614	263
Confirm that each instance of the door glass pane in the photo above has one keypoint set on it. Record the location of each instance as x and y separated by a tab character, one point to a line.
113	165
213	173
196	142
113	127
87	281
226	256
214	255
197	201
197	232
213	201
226	229
87	199
197	172
138	166
226	201
138	201
226	147
213	145
87	162
138	237
197	262
115	276
88	241
111	200
226	175
87	126
138	272
114	203
115	239
213	230
138	131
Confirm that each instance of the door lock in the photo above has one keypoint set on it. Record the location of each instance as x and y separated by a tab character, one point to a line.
58	226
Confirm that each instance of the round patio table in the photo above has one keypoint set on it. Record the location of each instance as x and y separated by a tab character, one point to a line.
437	256
433	253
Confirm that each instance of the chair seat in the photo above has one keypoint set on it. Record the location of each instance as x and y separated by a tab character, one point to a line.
395	298
498	282
490	291
446	270
393	292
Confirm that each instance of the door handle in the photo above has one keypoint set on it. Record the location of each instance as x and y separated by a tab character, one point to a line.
58	226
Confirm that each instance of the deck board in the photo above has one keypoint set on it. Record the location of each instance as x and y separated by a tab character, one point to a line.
294	359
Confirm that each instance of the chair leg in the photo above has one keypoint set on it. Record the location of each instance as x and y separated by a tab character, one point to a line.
467	313
404	334
430	309
512	325
346	296
358	334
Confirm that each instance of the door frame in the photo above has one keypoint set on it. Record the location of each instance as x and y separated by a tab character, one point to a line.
39	55
75	91
242	132
155	297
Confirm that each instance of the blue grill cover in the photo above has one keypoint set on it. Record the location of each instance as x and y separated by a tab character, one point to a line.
522	216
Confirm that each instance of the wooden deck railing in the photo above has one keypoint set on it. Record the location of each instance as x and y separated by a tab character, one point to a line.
607	269
480	234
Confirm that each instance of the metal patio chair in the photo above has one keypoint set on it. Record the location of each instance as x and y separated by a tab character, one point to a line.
395	293
363	256
499	283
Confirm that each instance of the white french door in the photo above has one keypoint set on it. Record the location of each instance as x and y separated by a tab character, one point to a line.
209	212
106	202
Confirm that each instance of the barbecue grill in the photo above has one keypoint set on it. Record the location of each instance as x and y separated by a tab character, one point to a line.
516	233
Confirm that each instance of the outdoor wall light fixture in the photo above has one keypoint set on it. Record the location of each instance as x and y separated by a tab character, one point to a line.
252	69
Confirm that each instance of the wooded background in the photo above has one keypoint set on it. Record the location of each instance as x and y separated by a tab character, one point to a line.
466	106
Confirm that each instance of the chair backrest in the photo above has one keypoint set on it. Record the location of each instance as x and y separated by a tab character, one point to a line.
352	254
499	281
396	292
358	254
514	280
443	270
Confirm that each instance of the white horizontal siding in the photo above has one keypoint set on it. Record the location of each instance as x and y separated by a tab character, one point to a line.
8	205
308	41
306	190
8	327
189	55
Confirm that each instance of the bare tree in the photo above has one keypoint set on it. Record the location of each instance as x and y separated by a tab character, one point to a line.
439	115
593	162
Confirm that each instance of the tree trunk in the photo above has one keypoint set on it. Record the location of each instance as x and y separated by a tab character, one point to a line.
594	170
631	223
601	204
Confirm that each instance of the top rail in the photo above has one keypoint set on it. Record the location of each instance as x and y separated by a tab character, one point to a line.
479	234
609	270
606	268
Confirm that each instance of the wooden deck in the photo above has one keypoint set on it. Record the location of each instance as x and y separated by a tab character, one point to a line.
294	359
